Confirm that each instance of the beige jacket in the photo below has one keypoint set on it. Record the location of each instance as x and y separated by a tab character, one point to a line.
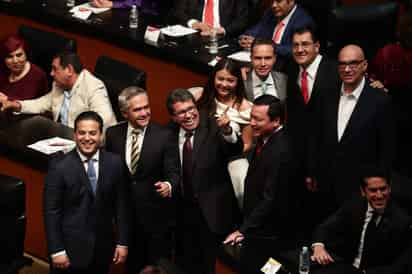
89	93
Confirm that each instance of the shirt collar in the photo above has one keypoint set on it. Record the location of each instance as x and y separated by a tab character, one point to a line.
258	82
313	67
85	159
130	129
356	92
285	20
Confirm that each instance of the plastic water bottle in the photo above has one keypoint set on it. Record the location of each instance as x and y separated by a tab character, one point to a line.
304	261
134	18
213	42
70	3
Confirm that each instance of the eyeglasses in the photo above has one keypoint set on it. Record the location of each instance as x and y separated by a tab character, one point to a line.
351	64
183	112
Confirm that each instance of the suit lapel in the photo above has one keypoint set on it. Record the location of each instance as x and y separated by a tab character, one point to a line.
358	116
199	138
249	86
122	141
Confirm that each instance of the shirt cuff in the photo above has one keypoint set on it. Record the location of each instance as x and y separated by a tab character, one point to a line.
191	22
231	138
317	244
170	188
63	252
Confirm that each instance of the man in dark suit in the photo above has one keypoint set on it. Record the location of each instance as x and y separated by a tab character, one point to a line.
370	232
226	16
84	193
268	203
207	205
352	127
261	78
278	25
153	174
310	76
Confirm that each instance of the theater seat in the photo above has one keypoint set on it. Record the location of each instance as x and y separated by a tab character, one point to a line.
43	45
369	25
13	225
117	76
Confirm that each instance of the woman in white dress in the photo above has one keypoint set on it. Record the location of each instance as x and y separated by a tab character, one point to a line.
224	97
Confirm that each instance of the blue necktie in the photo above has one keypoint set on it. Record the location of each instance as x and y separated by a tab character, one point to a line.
64	111
91	173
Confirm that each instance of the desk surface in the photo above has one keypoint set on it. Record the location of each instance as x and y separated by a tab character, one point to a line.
112	26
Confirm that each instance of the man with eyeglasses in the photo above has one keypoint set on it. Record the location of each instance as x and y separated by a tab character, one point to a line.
352	127
207	208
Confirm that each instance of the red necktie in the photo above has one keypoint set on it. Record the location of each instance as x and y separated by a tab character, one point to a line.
304	86
209	13
278	31
259	146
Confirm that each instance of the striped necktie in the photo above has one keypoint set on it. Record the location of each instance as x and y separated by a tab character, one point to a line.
135	150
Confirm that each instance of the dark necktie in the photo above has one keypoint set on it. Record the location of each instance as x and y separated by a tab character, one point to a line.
259	146
91	174
187	163
369	241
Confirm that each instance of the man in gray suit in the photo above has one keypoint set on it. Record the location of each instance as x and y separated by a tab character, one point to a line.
262	79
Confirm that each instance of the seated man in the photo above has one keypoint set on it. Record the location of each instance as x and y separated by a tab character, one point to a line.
226	16
147	6
370	232
262	79
75	90
278	25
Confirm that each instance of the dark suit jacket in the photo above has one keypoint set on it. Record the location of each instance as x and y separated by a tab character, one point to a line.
368	140
341	233
211	181
279	79
232	13
75	219
158	162
300	115
266	26
269	184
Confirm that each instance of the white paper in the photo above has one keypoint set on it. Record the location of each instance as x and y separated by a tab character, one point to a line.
242	56
271	267
152	34
88	6
53	145
213	62
83	15
177	31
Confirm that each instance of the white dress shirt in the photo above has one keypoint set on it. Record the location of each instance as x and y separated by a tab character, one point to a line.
347	104
312	71
216	15
285	22
257	85
129	143
232	138
368	218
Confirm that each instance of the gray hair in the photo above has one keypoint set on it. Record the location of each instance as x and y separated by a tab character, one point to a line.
127	94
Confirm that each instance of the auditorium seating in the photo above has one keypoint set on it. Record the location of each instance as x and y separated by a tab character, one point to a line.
117	76
43	45
13	225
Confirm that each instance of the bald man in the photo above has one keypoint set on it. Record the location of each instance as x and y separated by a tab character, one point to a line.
352	127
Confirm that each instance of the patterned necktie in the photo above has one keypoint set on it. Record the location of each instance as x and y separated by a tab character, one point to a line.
264	88
187	163
64	111
135	151
91	174
209	13
278	31
304	85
